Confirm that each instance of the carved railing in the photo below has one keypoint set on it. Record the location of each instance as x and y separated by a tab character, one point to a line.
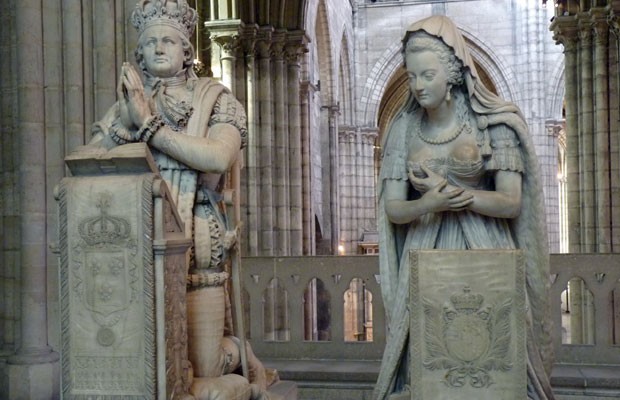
600	275
294	275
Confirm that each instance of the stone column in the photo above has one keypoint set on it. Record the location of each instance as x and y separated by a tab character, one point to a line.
601	142
334	195
614	126
8	168
565	32
556	203
225	33
346	144
33	370
586	136
295	47
265	140
367	188
308	224
281	159
104	44
252	155
76	103
613	19
601	138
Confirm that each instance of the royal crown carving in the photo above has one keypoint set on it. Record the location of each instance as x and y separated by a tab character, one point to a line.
177	14
104	228
467	302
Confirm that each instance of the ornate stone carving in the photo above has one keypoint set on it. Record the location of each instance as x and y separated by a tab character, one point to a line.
108	325
278	43
263	43
468	338
105	268
229	43
122	279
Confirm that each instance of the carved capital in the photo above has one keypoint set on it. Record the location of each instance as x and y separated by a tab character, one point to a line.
369	138
296	46
565	33
600	26
226	34
614	24
278	42
230	44
554	128
585	35
248	39
263	42
346	136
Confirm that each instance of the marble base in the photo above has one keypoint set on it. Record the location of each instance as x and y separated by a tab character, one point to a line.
31	381
467	325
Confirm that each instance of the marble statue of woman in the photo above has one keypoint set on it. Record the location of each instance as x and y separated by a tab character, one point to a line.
195	129
458	172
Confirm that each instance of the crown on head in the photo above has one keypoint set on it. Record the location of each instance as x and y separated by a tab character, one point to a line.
104	228
175	13
467	301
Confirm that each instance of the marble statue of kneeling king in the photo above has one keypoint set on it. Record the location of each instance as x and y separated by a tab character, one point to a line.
194	128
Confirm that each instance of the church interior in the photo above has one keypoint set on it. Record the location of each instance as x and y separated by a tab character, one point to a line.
320	81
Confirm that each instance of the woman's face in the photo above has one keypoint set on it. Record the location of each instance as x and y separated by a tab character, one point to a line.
162	49
428	79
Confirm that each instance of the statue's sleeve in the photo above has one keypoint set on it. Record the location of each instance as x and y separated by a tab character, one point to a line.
228	110
394	164
102	127
506	150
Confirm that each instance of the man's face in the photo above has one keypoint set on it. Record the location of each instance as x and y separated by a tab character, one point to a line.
162	50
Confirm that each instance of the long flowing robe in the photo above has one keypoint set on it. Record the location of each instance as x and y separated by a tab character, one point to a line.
527	231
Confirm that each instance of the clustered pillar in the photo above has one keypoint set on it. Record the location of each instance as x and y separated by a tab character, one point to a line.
274	170
591	48
593	161
357	185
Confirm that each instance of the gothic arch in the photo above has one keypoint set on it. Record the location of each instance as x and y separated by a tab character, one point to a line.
377	81
323	45
345	92
287	14
557	91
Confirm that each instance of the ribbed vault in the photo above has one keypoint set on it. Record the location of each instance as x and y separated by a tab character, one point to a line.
281	14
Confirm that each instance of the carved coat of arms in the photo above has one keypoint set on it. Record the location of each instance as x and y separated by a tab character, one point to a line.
468	338
104	268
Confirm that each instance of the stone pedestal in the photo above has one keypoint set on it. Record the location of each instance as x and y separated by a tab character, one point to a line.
468	327
123	265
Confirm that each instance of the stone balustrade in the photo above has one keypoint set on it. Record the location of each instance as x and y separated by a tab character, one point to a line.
581	364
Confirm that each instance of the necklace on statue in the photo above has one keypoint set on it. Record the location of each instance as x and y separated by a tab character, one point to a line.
463	127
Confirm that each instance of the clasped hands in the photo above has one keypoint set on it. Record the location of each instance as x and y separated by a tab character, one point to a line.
134	107
435	189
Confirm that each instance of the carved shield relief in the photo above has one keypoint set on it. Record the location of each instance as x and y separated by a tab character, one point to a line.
106	269
467	325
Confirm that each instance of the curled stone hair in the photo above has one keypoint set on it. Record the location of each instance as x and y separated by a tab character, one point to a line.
422	41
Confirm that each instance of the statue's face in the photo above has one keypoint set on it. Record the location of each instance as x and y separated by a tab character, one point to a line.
162	50
428	79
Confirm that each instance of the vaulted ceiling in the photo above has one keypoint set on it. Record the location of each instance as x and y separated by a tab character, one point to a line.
281	14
